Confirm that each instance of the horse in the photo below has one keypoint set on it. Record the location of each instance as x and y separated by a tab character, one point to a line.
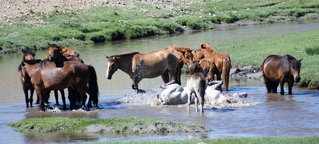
209	68
138	66
25	78
221	60
280	70
196	84
184	56
60	54
45	76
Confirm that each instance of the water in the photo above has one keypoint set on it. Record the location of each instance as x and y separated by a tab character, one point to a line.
275	115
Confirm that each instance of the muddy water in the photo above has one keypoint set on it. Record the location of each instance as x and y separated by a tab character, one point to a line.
275	115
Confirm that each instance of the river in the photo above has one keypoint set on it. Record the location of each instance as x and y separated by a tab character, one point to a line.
274	115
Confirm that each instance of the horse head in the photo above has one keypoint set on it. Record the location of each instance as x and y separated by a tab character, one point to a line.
28	54
295	68
68	52
189	57
111	66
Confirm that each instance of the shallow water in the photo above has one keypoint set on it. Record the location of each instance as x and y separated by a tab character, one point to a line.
275	115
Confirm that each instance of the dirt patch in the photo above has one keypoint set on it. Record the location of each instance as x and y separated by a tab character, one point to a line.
142	128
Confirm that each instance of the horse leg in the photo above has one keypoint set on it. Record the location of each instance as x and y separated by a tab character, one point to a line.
226	79
31	96
41	100
56	97
189	93
165	77
63	99
196	101
274	87
135	86
290	84
179	73
282	88
26	95
71	98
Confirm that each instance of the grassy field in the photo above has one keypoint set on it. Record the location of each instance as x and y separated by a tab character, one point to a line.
130	125
274	140
102	24
254	51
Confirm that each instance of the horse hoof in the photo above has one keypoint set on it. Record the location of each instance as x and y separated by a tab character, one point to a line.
141	91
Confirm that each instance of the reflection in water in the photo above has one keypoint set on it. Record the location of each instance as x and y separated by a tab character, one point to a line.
276	115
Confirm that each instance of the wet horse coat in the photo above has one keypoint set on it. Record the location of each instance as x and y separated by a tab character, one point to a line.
138	65
45	76
280	70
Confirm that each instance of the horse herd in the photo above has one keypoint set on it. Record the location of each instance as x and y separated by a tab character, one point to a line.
63	68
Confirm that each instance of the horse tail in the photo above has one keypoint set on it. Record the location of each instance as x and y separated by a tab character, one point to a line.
93	86
226	70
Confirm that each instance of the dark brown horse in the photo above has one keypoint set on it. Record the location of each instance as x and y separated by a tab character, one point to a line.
25	78
220	59
59	55
45	76
280	70
139	66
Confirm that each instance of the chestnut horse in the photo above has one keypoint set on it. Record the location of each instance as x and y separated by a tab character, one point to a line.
196	84
184	56
279	70
220	59
45	76
25	78
209	68
138	66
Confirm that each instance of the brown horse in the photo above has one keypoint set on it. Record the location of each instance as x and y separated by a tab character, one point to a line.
139	66
279	70
57	54
209	68
196	84
184	56
45	76
25	78
220	59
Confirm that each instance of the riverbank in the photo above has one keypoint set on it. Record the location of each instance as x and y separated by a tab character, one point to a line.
264	140
80	23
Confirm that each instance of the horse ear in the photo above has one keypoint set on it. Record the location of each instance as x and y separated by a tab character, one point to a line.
49	44
107	57
23	51
300	60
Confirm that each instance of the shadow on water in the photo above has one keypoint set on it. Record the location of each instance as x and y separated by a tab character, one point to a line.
111	105
221	110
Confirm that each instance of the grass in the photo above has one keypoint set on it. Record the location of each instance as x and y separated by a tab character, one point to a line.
116	125
314	50
254	51
102	24
266	140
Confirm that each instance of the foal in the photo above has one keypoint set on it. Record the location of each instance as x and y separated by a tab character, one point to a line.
25	78
196	84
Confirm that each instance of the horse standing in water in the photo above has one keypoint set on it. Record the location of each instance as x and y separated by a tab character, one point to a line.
139	66
25	78
220	59
196	84
59	55
279	70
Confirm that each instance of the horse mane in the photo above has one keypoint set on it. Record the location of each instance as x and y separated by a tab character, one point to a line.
289	57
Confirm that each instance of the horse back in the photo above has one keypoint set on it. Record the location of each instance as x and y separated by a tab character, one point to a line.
275	67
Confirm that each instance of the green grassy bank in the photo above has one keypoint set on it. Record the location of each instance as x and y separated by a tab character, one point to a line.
273	140
254	51
102	24
131	125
